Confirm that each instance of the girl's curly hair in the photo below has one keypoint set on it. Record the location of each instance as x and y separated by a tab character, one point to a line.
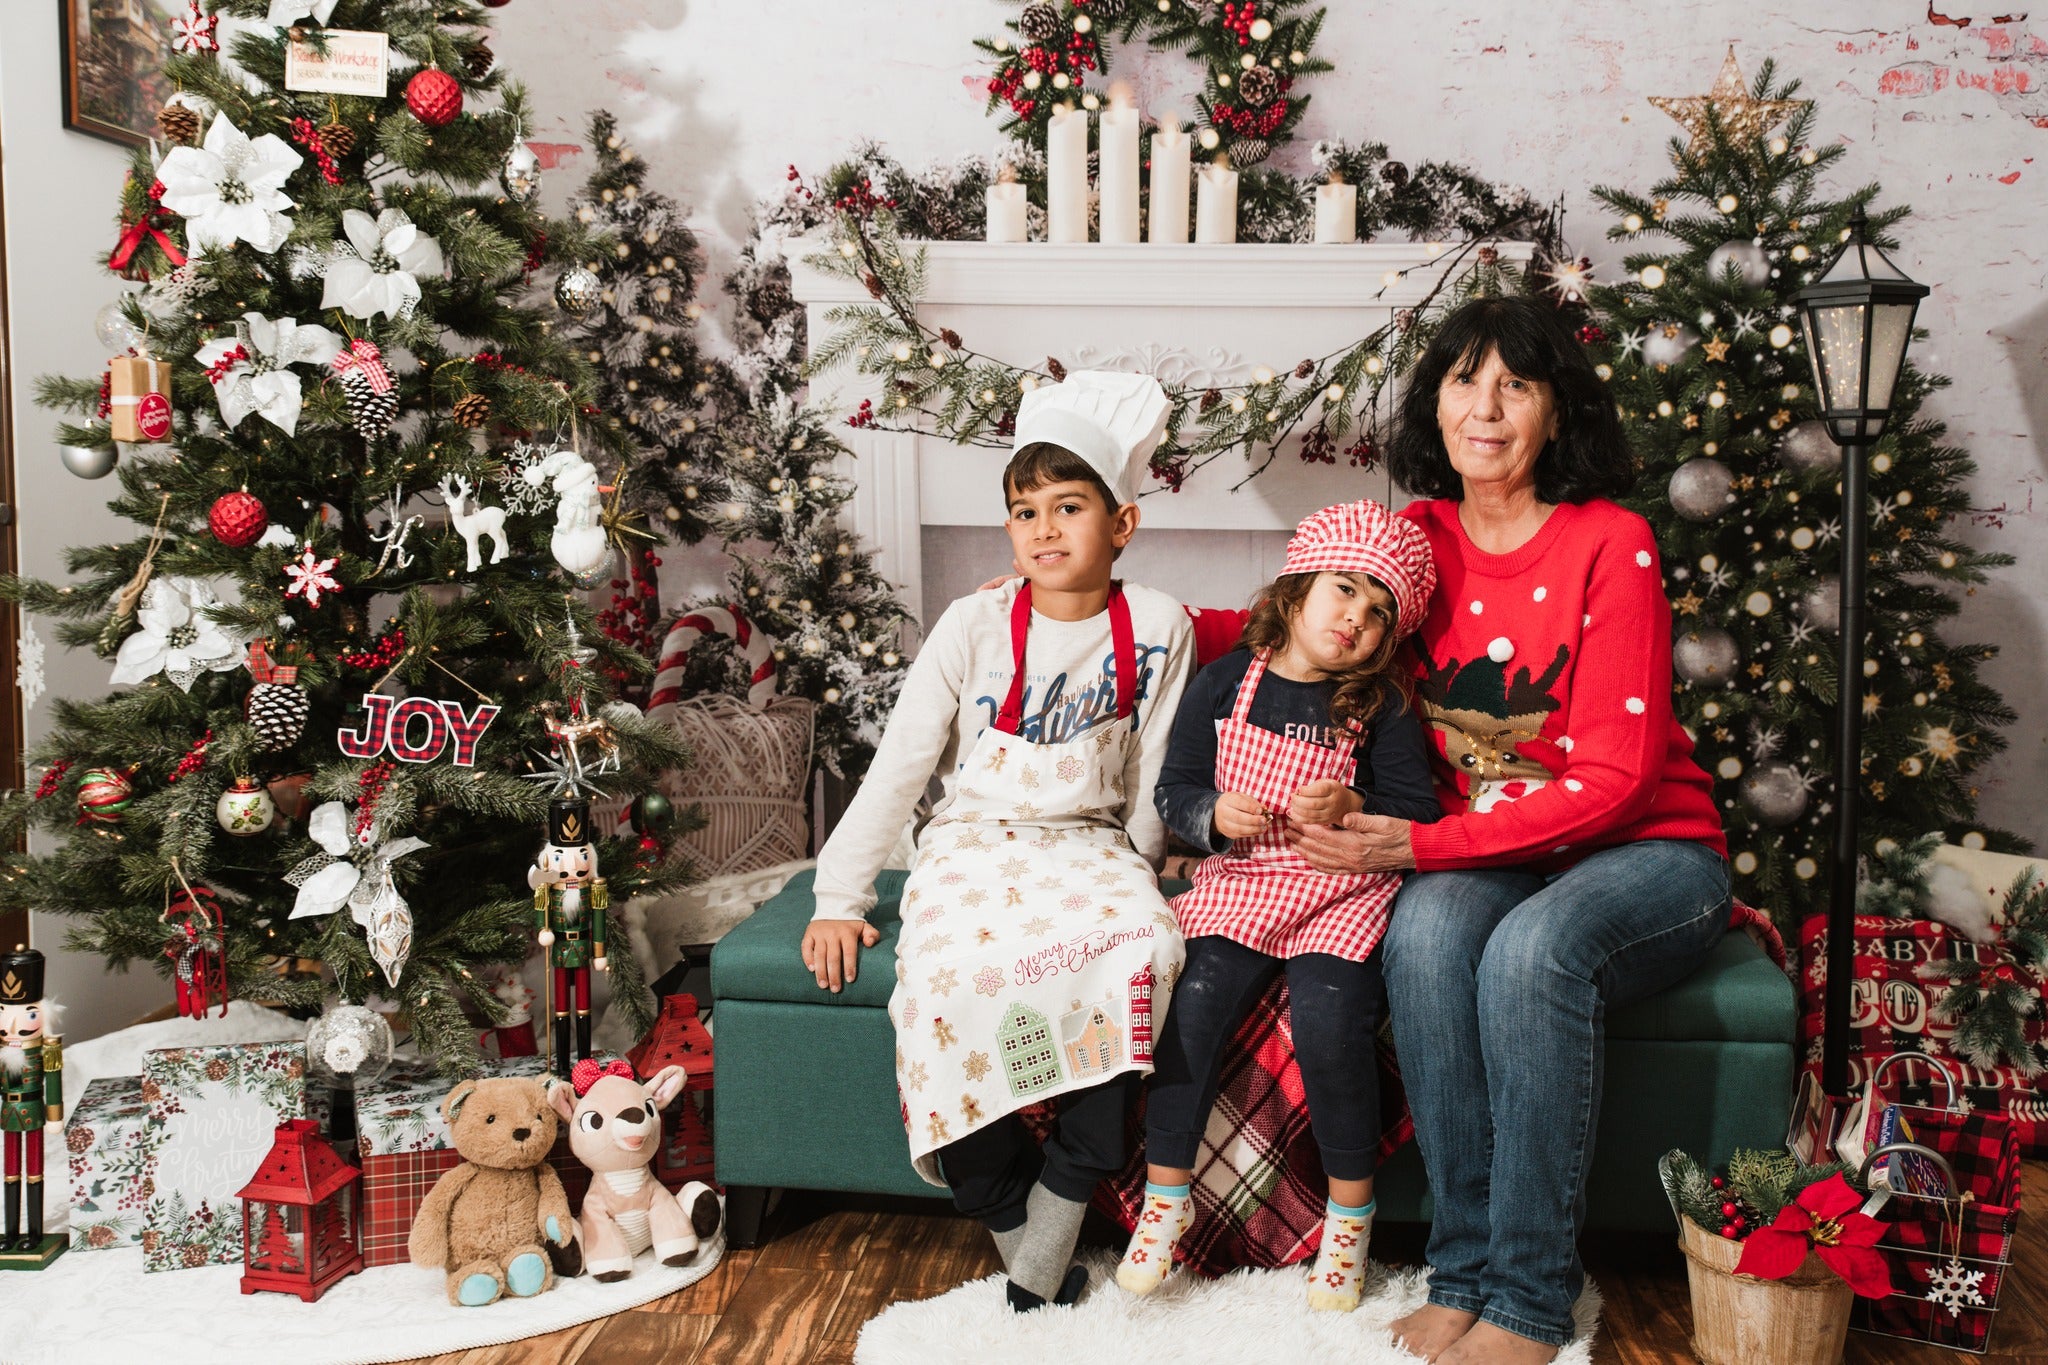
1362	691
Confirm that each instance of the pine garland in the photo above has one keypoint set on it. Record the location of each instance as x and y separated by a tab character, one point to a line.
1756	1185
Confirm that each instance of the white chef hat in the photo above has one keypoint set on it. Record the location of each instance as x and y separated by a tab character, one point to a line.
1112	420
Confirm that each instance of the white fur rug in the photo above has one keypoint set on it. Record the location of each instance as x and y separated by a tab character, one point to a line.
1252	1315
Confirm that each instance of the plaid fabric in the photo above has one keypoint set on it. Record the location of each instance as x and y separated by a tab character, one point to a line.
1258	1183
1924	1236
396	1184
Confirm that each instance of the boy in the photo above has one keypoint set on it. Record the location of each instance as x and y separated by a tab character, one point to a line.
1037	954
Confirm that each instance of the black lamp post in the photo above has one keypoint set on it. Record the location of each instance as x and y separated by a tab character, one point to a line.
1858	318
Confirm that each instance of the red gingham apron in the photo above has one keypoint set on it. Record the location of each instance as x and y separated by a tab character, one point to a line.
1262	893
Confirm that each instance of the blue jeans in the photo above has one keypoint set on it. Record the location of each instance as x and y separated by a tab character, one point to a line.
1499	982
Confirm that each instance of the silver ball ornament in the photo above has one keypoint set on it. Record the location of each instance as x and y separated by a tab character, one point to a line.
1668	344
1706	655
113	330
521	176
1747	257
1807	448
1821	604
348	1043
88	462
597	577
1775	793
578	290
1701	489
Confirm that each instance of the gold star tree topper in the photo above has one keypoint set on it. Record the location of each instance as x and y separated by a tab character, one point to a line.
1742	117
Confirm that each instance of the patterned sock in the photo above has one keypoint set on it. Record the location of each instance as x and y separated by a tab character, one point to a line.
1338	1280
1167	1212
1052	1226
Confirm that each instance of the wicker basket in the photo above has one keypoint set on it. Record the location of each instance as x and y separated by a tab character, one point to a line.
1802	1319
749	778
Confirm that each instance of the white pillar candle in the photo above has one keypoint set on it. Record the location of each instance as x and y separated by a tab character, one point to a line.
1117	178
1336	212
1170	152
1216	204
1066	175
1006	210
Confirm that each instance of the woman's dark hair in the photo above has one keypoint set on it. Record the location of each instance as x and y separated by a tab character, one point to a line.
1361	691
1590	457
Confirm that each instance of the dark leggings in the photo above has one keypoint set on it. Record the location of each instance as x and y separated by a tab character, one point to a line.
1336	1007
992	1169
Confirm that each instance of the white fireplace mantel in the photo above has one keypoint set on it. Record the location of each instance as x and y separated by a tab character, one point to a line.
1192	315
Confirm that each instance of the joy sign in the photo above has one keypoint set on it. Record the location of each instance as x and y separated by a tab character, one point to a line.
389	725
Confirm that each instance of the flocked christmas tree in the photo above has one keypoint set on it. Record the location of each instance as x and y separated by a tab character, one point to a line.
1702	345
346	335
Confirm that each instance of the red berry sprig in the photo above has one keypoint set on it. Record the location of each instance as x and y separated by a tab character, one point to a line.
369	789
195	757
53	777
862	201
106	407
1237	21
796	178
381	655
491	360
864	416
535	254
307	136
1591	335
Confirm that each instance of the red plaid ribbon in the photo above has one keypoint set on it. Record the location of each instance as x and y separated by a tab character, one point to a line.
363	356
218	370
264	671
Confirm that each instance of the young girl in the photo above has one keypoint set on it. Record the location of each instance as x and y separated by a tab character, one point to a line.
1306	723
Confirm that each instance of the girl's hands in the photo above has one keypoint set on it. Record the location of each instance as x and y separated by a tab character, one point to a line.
1326	802
832	950
1238	816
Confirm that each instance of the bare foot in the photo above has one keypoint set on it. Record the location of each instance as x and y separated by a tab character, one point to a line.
1487	1344
1431	1330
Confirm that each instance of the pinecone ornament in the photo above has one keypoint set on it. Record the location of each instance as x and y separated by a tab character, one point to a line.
371	413
479	60
1039	23
939	216
472	410
276	706
1258	86
1249	151
338	138
1109	11
180	123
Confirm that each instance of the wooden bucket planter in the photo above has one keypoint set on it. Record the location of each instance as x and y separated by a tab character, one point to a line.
1802	1319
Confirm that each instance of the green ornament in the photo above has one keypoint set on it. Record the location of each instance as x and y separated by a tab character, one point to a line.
652	813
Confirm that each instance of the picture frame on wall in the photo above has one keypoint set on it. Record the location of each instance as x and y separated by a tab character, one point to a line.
114	53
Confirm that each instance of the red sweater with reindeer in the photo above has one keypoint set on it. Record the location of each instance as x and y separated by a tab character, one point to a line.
1545	677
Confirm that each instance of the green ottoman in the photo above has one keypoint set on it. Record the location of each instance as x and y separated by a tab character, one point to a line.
806	1080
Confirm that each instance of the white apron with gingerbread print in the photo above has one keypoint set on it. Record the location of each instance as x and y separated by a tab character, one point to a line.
1036	954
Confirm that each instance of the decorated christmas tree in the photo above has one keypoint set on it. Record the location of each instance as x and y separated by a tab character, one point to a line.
338	690
1702	344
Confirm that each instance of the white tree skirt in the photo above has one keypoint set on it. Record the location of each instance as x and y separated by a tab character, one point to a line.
1252	1315
91	1307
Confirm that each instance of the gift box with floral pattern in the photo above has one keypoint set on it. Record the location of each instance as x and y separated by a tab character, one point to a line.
107	1141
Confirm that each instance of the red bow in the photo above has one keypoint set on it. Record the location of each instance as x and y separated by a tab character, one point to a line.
263	670
363	355
587	1073
134	234
218	370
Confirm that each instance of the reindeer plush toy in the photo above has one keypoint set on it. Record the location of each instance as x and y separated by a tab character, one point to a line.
615	1129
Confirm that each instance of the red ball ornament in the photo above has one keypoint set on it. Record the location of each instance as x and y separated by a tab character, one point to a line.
238	520
434	96
497	4
1717	1182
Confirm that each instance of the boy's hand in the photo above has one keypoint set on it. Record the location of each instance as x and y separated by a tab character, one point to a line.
832	949
1238	816
1324	803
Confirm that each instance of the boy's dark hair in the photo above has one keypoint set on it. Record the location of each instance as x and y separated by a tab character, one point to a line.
1042	463
1590	457
1362	691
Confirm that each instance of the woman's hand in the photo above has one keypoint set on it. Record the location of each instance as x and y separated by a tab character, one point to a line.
1363	843
1323	803
832	950
1238	816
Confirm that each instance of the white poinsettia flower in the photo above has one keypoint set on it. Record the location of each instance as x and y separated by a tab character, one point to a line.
250	370
175	636
231	188
348	872
285	13
377	269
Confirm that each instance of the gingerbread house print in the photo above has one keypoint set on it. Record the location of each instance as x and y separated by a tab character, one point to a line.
1091	1040
1031	1061
1141	1014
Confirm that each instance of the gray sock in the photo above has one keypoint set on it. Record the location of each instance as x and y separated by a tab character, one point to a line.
1007	1243
1051	1229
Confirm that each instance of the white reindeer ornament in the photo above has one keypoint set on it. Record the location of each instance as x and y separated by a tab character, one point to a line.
474	523
578	543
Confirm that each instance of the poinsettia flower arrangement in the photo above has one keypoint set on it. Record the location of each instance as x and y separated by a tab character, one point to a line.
1781	1212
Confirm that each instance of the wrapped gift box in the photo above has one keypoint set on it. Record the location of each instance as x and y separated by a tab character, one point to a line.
213	1112
106	1137
405	1148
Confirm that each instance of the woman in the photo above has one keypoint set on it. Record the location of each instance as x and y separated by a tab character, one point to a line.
1580	864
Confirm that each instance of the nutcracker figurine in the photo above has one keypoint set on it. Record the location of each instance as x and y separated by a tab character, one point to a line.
31	1094
569	904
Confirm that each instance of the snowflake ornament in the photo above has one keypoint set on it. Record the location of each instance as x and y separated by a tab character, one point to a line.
1954	1288
28	674
195	32
521	496
231	188
310	577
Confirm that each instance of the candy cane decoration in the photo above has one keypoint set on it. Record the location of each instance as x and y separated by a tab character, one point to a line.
754	646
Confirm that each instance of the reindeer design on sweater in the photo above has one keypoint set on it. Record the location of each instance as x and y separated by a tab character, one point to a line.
1485	718
615	1130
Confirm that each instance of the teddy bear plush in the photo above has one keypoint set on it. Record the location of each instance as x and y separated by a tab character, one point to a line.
615	1129
499	1223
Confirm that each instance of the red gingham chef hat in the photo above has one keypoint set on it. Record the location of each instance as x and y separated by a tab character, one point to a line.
1364	537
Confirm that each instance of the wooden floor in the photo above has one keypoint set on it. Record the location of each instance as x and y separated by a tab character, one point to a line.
829	1263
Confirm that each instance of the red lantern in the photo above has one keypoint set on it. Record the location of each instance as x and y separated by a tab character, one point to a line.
679	1038
300	1229
434	97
